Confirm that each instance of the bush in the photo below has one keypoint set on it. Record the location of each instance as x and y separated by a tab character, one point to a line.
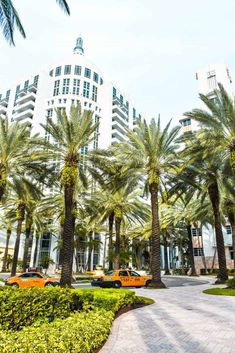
231	283
25	307
81	332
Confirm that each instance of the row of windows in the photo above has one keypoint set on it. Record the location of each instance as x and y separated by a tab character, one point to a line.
73	101
77	71
76	88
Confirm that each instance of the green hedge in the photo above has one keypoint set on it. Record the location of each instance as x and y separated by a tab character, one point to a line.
231	283
81	332
25	307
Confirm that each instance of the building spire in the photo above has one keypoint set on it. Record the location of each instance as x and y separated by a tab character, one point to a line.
79	46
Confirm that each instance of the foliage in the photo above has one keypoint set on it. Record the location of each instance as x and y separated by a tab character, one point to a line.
28	306
220	291
231	283
139	300
81	332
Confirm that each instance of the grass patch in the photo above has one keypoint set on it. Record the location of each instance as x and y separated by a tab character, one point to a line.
220	291
142	301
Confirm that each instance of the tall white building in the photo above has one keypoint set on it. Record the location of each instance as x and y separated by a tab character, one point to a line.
208	79
68	82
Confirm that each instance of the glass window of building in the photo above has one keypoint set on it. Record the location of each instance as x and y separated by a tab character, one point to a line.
86	89
114	92
96	77
186	122
67	69
56	87
36	78
87	73
51	73
65	89
101	81
8	94
26	85
77	70
121	99
58	71
94	93
134	113
211	80
76	86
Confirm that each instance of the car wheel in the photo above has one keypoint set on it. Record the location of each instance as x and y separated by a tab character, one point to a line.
15	285
117	284
148	283
49	284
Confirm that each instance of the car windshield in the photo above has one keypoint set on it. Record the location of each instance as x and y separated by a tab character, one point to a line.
110	273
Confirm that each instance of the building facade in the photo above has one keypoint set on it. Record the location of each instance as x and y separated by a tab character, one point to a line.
66	83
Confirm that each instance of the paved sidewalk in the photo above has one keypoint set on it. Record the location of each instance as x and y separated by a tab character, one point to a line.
183	319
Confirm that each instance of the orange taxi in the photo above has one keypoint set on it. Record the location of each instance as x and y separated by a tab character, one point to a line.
122	278
31	279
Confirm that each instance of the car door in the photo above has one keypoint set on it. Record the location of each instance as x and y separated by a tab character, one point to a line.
25	280
37	280
124	278
136	279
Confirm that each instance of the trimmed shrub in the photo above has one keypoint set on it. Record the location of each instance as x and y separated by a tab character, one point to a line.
25	307
81	332
231	283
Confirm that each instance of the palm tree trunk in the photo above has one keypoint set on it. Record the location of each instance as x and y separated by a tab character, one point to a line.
156	250
90	248
232	222
190	248
17	246
68	237
37	235
213	192
111	221
2	181
167	271
4	264
26	246
117	243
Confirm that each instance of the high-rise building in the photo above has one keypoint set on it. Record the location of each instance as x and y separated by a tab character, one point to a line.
208	79
71	81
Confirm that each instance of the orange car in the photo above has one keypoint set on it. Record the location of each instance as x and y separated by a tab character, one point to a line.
31	279
122	278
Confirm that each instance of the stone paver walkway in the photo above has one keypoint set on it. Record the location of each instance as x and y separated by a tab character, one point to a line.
183	319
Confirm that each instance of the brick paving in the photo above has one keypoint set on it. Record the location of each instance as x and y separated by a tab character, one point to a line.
183	319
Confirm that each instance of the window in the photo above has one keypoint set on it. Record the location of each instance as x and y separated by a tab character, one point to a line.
65	86
76	86
211	80
56	88
51	73
67	69
49	113
134	274
121	99
77	70
26	275
196	232
198	251
134	113
228	229
186	122
17	92
114	92
8	94
110	273
36	275
86	89
58	71
94	93
36	78
123	273
26	85
101	81
87	73
96	77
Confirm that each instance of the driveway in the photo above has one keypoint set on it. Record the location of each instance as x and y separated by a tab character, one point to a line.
183	319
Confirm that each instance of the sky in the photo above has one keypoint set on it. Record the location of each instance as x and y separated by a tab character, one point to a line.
150	49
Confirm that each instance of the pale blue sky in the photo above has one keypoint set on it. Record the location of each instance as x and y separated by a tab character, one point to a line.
150	48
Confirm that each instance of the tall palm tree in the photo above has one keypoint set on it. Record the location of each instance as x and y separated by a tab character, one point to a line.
219	121
7	224
70	134
151	151
208	163
9	19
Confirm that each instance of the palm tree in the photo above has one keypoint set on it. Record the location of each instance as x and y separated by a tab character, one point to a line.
70	134
6	223
19	154
219	122
152	151
208	163
9	19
